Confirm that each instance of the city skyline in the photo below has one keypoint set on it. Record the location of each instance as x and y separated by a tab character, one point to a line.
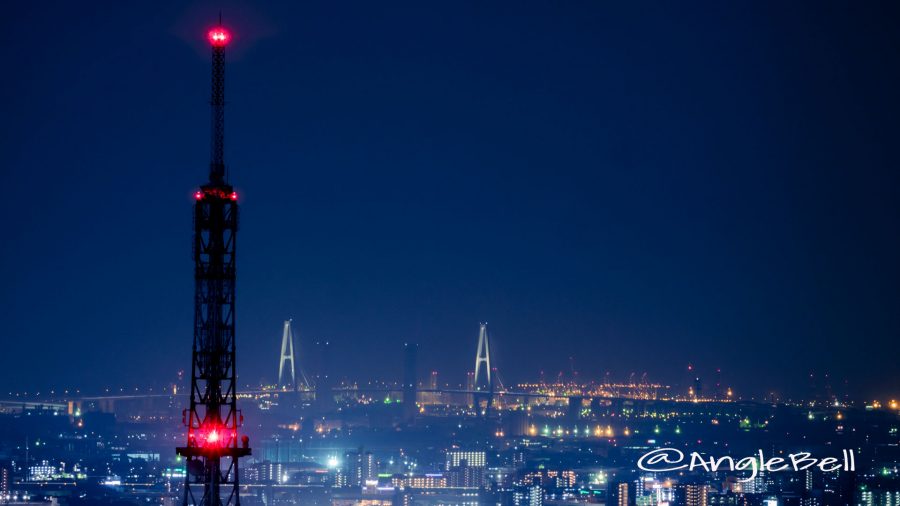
610	186
466	255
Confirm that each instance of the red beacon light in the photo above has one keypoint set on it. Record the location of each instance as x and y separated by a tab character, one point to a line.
233	196
198	195
219	36
216	436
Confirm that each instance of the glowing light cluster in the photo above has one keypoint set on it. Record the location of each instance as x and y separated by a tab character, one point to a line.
219	36
200	194
215	436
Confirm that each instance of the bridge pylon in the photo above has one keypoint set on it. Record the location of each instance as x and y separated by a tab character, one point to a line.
483	383
287	355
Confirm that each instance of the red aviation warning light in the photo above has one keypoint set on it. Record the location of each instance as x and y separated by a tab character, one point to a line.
219	36
214	436
215	192
213	439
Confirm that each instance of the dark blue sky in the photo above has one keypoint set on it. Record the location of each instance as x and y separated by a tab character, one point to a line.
637	185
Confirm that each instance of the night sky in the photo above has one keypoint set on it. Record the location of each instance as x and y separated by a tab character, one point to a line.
613	186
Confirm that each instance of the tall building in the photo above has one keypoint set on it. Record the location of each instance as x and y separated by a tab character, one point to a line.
756	485
272	472
339	478
465	476
4	482
620	494
456	458
530	495
692	495
466	468
361	468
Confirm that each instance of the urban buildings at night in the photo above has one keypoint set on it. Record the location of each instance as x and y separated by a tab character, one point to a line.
365	449
679	219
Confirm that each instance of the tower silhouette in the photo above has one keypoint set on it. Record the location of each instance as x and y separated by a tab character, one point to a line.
213	420
483	383
287	355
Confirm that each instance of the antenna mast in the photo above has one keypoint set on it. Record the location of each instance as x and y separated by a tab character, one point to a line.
213	420
219	38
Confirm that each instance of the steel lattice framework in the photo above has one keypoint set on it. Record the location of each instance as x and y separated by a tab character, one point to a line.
213	420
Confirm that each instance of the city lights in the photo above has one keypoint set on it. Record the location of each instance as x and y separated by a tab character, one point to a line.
681	221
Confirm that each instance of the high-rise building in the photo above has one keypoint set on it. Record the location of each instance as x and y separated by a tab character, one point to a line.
456	458
361	468
466	468
271	472
620	494
4	482
339	479
692	495
465	477
756	485
529	495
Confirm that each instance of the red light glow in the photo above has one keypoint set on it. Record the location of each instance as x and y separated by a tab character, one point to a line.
214	437
198	195
219	36
233	196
